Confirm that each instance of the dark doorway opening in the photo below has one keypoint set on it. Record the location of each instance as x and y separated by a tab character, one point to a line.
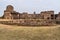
48	18
52	16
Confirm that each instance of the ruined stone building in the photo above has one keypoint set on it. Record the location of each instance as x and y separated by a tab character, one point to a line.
10	13
43	18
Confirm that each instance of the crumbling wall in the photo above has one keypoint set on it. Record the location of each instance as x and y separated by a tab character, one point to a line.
47	15
28	22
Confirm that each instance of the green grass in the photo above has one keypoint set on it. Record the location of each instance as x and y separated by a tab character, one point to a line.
29	33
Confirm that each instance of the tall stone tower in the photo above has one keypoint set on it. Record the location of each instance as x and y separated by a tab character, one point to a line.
8	11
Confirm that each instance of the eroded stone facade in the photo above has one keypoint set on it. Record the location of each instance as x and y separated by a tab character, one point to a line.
9	13
48	17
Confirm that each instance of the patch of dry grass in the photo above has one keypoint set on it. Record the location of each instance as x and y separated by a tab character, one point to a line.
8	32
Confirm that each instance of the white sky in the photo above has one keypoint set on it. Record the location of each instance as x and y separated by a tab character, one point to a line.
31	5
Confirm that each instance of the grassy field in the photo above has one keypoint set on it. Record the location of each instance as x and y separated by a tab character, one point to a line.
8	32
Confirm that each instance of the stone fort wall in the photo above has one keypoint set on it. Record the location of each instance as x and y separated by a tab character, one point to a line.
10	13
44	18
27	22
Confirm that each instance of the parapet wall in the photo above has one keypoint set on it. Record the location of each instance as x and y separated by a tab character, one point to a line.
27	22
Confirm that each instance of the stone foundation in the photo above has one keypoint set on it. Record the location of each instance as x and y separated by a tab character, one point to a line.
27	22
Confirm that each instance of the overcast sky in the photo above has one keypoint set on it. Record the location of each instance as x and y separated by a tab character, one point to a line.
30	5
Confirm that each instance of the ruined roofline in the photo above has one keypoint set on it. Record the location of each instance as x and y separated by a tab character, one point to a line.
28	12
47	11
12	8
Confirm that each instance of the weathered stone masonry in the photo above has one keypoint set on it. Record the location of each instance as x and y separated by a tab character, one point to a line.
9	13
43	18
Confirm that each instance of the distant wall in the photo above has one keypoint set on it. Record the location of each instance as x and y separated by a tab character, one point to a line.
27	22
